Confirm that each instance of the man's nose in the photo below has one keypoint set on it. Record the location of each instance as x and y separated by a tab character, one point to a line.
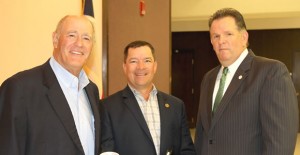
141	65
79	41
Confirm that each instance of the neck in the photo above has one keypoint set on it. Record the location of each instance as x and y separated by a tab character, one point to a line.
145	92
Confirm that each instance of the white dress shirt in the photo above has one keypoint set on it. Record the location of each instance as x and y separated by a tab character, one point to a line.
231	71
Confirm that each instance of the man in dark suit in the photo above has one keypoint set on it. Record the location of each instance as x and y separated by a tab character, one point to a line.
141	120
258	113
52	109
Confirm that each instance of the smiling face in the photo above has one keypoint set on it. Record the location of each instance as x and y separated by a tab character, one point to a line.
140	67
227	40
73	42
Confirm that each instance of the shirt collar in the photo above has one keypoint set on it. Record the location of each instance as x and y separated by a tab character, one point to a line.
233	67
136	92
67	78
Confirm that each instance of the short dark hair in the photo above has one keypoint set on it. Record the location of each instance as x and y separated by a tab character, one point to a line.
229	12
136	44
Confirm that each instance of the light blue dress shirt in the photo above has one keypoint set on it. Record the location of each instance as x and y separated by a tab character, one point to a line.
73	89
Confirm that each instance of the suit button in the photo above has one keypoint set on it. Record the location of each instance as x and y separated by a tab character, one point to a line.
210	141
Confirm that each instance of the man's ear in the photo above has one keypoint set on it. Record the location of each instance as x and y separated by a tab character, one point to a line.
155	66
124	67
245	35
54	39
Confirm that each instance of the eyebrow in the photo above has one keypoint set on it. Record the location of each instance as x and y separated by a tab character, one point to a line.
143	58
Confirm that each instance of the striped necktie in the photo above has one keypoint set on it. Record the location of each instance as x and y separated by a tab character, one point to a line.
220	90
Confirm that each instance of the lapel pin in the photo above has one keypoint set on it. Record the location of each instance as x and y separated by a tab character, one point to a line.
240	77
167	105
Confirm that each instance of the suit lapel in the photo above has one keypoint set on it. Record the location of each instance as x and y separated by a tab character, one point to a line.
60	105
164	117
94	105
238	78
210	91
134	108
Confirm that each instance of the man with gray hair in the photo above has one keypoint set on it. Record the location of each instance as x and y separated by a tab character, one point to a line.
53	108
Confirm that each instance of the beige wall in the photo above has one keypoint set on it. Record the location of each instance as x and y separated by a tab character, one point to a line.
26	29
192	15
125	25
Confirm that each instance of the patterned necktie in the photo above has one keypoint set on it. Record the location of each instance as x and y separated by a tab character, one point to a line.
220	90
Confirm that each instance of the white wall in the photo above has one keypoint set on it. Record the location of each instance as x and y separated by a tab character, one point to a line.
26	30
192	15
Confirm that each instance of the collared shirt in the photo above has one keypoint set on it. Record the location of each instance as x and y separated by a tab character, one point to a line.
73	89
231	71
150	110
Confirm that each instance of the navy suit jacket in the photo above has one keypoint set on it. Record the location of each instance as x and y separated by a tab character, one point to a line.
124	129
258	114
35	118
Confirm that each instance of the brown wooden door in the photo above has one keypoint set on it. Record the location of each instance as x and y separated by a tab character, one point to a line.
182	80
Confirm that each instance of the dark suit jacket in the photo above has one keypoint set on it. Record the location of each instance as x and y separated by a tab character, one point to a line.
258	114
124	129
35	118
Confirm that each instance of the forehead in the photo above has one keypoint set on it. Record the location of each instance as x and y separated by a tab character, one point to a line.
78	24
140	52
224	23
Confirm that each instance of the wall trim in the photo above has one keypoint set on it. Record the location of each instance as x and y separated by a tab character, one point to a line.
286	20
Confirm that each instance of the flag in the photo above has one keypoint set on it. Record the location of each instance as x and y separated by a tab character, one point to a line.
93	67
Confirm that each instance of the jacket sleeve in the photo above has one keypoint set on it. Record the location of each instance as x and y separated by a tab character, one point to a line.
278	112
187	146
107	138
13	127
